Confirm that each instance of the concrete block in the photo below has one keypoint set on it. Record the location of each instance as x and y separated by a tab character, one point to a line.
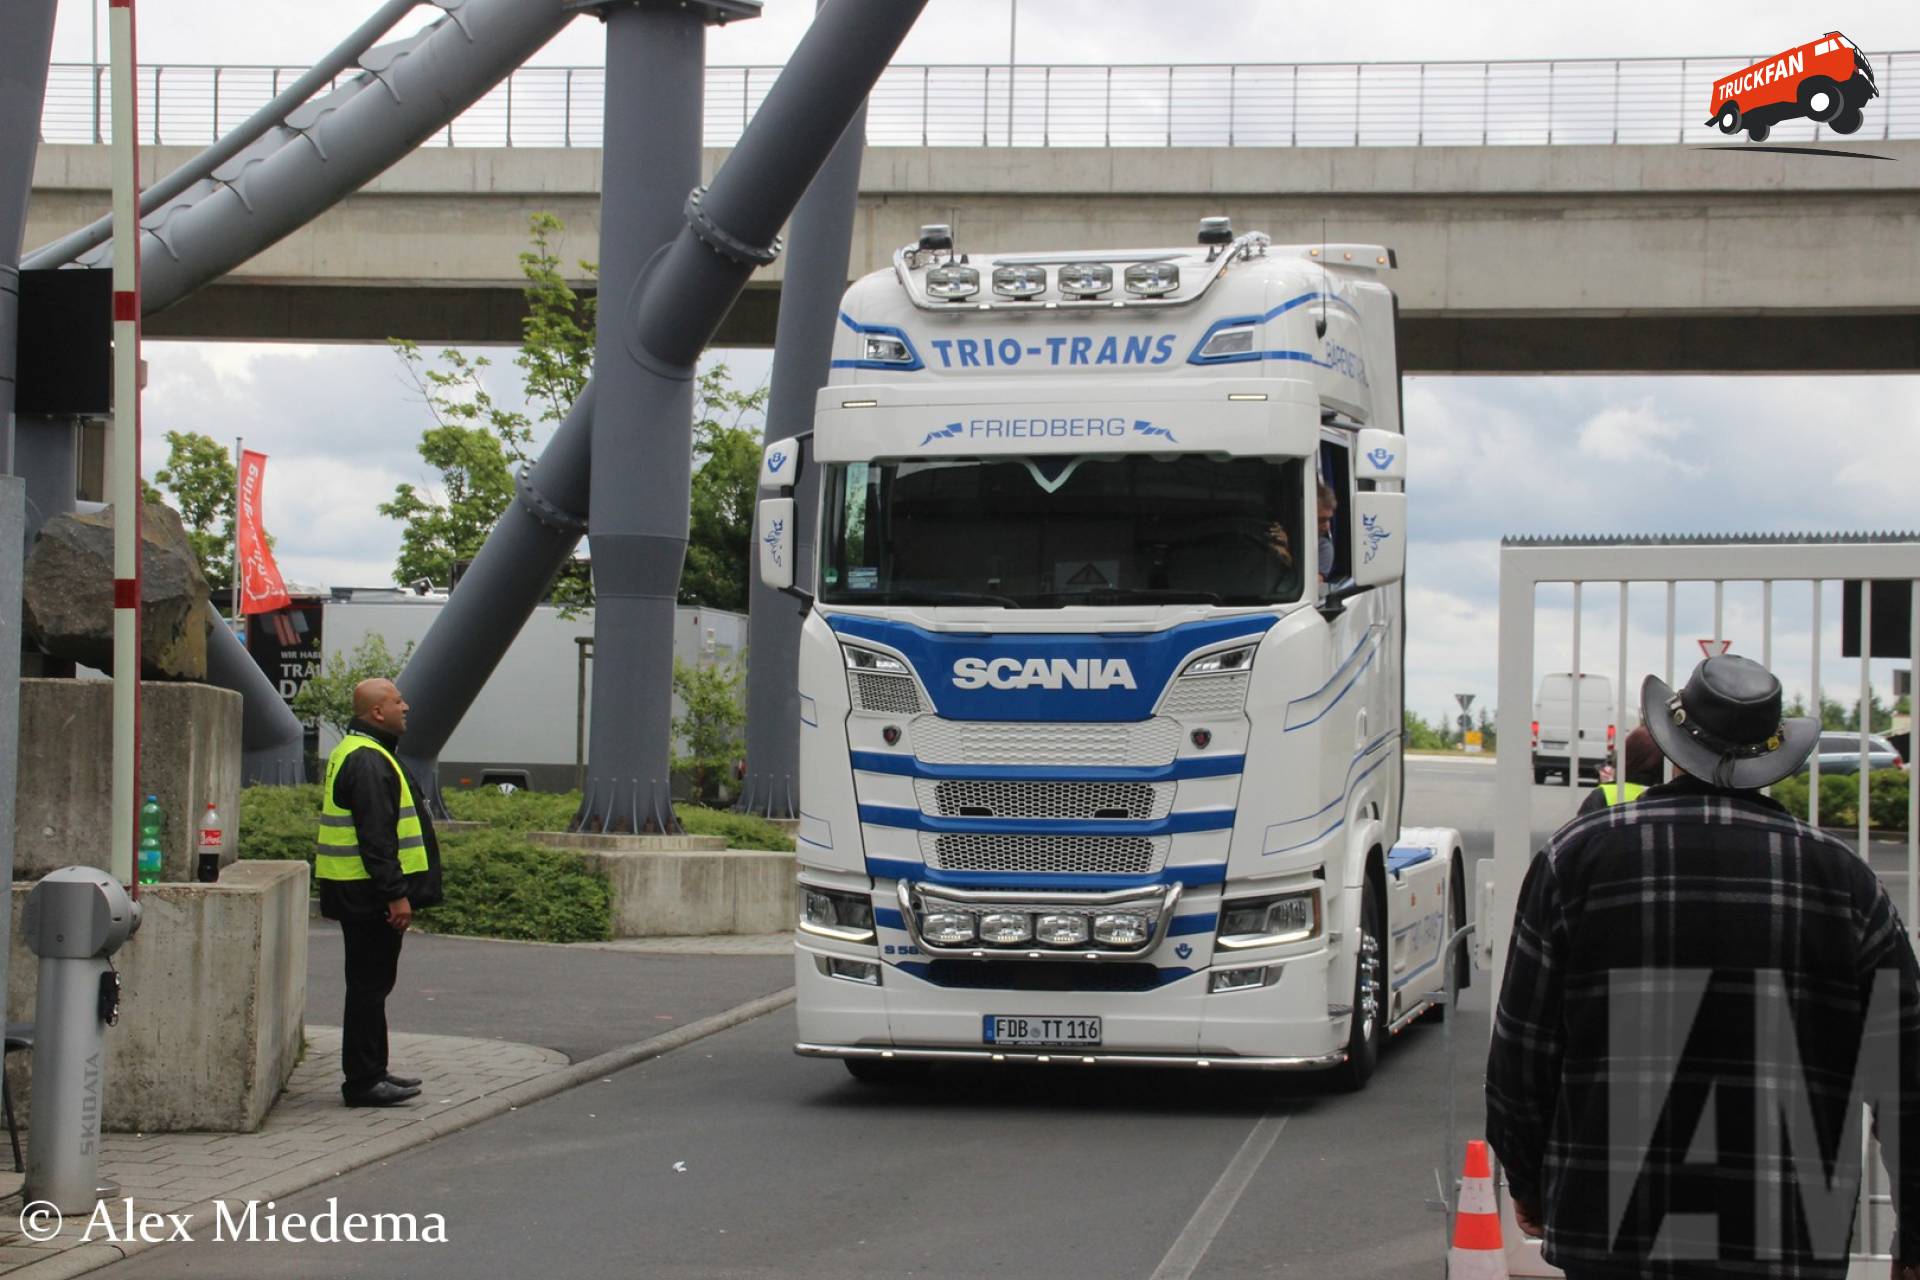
598	842
189	754
212	1008
677	894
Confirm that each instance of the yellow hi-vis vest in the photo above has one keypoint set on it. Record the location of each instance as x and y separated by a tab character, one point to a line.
1615	792
338	857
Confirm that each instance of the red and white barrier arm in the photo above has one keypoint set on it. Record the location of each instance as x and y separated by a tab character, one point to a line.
125	469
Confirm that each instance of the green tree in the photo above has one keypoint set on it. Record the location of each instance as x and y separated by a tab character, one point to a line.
720	533
712	727
1419	735
200	476
328	697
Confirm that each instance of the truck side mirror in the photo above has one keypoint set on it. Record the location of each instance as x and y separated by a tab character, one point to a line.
780	465
775	536
1380	455
1379	538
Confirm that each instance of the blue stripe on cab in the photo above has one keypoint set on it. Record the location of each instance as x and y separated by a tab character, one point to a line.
1193	924
888	918
881	815
1212	873
904	765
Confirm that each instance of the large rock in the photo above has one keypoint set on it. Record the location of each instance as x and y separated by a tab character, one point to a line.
69	594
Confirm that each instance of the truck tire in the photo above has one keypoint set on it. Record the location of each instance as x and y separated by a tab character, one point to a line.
1848	121
1758	132
1368	1025
1729	118
1820	98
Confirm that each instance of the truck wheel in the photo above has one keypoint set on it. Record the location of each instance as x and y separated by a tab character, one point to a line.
1848	121
1729	118
1369	1018
1759	132
1820	98
879	1071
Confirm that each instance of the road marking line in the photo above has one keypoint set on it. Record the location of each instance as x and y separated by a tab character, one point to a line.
1184	1257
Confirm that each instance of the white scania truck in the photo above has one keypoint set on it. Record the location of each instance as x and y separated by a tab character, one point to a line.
1100	717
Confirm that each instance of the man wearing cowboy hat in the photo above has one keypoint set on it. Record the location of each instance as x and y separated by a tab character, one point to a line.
1700	991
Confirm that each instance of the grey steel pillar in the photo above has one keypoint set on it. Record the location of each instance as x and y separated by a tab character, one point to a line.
24	54
662	325
642	447
46	457
273	744
816	277
75	918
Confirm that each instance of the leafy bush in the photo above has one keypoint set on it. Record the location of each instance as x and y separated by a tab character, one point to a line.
713	728
1840	798
742	830
279	823
514	811
499	886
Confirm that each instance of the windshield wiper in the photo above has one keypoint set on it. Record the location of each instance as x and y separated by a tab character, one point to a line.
951	597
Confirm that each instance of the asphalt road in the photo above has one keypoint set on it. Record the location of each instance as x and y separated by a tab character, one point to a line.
733	1158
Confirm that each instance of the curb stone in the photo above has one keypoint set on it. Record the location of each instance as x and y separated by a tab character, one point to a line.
83	1258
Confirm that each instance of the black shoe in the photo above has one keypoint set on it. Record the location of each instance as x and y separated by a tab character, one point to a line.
403	1082
383	1093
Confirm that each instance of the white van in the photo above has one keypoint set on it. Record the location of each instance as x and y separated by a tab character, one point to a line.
1553	721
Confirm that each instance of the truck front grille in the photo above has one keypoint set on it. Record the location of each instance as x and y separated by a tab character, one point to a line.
1046	855
1065	743
1133	801
889	695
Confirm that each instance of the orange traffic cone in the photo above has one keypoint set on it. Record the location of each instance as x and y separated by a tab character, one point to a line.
1477	1253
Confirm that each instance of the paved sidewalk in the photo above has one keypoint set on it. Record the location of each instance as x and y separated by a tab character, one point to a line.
306	1135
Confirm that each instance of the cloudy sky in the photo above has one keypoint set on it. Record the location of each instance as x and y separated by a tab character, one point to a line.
1491	456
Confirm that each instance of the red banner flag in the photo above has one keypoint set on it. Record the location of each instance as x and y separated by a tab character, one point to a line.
261	589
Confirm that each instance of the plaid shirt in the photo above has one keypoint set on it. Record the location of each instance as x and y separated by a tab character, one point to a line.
1687	995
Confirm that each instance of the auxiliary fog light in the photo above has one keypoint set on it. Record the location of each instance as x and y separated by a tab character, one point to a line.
1019	282
865	972
1152	279
1086	279
1061	931
954	283
947	928
1006	927
1121	928
1242	979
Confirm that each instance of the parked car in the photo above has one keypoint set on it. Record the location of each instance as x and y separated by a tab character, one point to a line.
1840	753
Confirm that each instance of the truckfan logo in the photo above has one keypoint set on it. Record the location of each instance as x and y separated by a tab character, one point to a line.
944	433
1370	526
1043	673
1828	81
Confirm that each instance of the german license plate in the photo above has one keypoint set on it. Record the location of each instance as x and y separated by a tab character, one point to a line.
1030	1030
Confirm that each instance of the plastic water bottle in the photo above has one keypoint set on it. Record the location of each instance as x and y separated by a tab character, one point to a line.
213	839
152	820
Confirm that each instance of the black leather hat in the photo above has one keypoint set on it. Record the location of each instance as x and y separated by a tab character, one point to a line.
1724	727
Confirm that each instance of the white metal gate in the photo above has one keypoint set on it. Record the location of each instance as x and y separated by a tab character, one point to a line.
1611	565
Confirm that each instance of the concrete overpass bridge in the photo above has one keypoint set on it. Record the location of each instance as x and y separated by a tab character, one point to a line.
1583	256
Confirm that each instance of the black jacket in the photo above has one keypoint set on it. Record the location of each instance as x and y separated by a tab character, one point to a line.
367	788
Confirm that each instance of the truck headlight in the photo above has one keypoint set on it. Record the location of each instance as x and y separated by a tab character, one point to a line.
1061	930
871	660
953	283
1228	342
882	349
1019	282
1269	921
1152	279
830	913
1005	928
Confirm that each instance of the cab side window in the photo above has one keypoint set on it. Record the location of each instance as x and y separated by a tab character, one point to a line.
1335	474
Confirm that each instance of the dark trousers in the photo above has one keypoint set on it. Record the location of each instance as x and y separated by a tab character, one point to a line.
373	962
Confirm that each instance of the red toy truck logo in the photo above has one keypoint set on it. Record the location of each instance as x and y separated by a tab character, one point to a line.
1827	80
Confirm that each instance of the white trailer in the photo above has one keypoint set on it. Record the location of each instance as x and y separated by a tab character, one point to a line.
528	725
1099	762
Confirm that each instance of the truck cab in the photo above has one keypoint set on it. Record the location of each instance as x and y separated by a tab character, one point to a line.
1100	678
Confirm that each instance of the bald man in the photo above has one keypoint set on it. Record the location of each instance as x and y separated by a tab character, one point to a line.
377	863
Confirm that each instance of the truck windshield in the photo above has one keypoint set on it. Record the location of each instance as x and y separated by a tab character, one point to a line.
1046	532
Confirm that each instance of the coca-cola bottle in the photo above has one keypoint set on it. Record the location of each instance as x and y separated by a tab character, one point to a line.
213	838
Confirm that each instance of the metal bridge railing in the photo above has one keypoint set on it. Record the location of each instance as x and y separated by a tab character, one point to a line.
1366	104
